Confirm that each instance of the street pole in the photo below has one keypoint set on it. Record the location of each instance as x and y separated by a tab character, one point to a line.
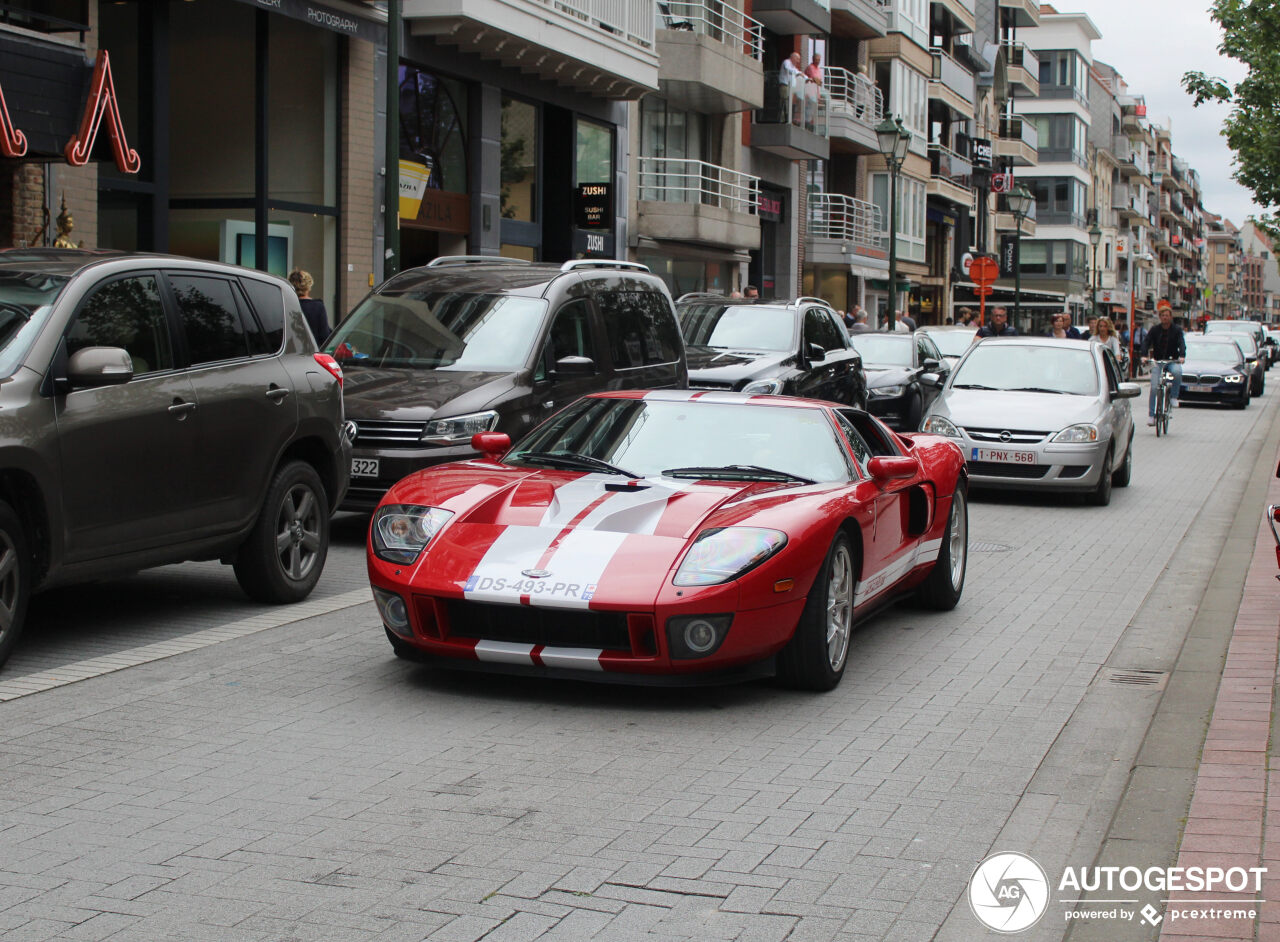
893	244
1093	304
391	190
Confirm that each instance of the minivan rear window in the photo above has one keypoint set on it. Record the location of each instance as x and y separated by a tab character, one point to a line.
439	330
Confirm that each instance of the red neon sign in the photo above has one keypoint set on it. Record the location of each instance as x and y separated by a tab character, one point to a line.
13	143
102	100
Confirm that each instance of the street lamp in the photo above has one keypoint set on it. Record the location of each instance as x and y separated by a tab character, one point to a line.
894	140
1019	202
1095	236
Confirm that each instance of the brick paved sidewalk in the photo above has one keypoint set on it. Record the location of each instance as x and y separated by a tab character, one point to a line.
1234	820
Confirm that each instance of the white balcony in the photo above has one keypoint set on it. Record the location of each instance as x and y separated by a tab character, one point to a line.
860	19
710	57
952	84
855	106
1018	142
1023	68
793	17
604	48
1026	12
794	120
695	201
845	231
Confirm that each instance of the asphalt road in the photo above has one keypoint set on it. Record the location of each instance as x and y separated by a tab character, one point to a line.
290	779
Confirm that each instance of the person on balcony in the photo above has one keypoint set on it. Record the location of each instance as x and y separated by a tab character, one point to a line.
793	81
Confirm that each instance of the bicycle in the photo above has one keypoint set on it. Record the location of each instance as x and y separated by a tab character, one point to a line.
1164	395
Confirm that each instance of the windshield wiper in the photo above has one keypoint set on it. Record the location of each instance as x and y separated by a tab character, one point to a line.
1039	389
745	471
573	461
976	386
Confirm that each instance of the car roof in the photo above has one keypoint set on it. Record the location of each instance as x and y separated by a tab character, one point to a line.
935	328
732	398
1068	343
70	262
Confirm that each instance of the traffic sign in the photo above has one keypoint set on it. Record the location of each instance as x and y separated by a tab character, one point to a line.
983	270
983	291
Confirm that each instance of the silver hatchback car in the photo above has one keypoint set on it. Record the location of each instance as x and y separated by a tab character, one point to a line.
1040	413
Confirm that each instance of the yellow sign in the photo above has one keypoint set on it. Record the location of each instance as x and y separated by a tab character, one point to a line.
414	178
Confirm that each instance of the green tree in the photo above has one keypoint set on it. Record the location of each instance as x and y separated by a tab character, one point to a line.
1251	35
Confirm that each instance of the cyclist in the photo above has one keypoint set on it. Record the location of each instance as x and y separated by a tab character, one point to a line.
1164	342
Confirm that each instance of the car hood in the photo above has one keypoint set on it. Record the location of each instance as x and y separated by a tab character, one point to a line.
879	376
734	366
1049	412
509	522
1210	366
403	394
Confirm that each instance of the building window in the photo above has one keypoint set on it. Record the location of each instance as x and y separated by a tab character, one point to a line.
519	160
433	128
911	213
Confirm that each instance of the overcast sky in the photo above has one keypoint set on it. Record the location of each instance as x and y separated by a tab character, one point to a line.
1152	43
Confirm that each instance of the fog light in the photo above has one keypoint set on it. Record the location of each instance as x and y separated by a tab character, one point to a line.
395	614
696	636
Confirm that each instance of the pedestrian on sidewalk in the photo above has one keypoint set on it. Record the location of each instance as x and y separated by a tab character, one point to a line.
312	308
999	326
1105	333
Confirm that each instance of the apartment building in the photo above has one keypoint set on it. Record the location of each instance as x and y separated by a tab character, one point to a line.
1256	243
1225	278
246	131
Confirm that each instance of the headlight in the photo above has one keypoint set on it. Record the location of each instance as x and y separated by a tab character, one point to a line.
1233	378
696	636
1077	434
719	556
395	614
764	387
401	531
885	392
460	428
937	425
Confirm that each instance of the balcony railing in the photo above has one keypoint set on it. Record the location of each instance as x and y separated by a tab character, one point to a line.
797	102
1021	57
952	74
719	21
1017	129
946	164
620	17
845	219
853	95
675	180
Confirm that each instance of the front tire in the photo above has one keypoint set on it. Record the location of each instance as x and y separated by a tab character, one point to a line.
1100	496
815	657
284	555
1122	475
942	589
15	580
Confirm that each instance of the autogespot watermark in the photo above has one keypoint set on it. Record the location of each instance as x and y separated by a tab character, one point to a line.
1010	892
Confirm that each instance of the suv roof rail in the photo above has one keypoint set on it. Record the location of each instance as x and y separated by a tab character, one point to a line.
693	295
575	263
808	300
446	261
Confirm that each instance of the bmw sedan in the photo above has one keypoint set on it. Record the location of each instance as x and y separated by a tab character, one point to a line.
905	372
1215	371
1035	412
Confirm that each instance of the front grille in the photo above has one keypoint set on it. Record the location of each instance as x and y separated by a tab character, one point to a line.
381	432
525	624
1016	436
997	469
1074	471
1208	379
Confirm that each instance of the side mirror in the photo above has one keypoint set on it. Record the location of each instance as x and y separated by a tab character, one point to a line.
493	445
885	469
99	366
931	379
931	365
573	366
817	353
1128	391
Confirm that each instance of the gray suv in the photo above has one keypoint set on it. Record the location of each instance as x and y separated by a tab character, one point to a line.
160	409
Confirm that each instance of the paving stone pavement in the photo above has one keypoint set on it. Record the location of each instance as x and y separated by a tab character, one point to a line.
300	783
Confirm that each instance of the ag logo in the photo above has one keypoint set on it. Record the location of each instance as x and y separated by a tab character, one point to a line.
1008	892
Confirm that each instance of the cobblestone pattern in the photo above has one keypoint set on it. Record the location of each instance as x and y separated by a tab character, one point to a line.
302	784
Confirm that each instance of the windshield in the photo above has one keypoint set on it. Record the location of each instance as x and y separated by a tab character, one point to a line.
432	330
1231	327
1010	366
1227	354
883	349
26	298
647	436
952	343
739	327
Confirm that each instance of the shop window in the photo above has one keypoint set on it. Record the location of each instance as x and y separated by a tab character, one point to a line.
519	160
433	128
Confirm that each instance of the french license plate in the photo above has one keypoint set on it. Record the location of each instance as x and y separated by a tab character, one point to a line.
1007	457
364	467
1198	387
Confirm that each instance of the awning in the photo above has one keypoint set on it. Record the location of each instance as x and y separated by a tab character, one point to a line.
863	271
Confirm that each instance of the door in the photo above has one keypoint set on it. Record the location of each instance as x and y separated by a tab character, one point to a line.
1119	412
248	407
926	349
828	376
128	452
572	334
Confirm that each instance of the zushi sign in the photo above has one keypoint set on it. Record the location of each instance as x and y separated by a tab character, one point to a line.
593	206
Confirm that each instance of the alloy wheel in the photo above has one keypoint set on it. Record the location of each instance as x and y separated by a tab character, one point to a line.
10	585
959	538
839	606
298	532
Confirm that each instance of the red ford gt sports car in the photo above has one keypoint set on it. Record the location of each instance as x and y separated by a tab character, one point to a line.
670	536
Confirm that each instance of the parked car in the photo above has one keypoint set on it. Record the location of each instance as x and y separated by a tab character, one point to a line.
952	341
1253	329
1273	344
905	373
670	536
473	344
160	409
1254	358
1041	413
793	348
1215	371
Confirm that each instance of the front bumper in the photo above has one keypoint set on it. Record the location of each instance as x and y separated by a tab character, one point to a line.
1223	392
1054	466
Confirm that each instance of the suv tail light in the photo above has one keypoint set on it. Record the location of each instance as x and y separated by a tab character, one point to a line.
330	364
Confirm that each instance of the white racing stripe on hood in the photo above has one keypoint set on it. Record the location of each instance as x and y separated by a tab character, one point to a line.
515	548
877	582
580	559
573	498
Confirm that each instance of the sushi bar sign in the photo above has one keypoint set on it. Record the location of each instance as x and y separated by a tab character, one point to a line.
101	105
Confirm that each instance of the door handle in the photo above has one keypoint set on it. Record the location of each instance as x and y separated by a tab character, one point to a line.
277	393
180	409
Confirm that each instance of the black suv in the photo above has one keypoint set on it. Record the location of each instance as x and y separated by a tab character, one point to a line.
473	344
789	348
160	409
